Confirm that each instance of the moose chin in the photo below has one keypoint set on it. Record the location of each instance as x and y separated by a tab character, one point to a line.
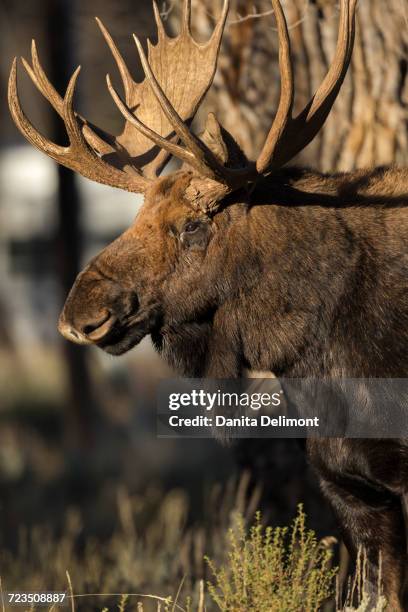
234	264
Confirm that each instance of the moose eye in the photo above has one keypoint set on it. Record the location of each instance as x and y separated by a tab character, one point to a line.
192	226
195	234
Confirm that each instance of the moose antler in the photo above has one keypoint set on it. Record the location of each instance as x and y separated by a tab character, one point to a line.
178	73
86	150
159	110
287	137
130	161
161	67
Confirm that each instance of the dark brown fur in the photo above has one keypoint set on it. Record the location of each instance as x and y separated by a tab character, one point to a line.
306	277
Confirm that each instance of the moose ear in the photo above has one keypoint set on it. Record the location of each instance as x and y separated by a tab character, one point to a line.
222	144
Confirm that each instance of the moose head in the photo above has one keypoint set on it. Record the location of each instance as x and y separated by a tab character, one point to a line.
174	264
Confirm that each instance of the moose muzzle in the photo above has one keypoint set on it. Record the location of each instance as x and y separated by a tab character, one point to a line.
89	331
95	305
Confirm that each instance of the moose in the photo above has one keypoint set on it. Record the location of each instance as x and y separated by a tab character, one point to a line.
234	264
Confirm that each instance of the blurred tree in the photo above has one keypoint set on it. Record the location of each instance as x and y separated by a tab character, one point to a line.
80	401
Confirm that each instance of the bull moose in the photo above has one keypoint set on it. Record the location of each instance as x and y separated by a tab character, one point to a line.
234	264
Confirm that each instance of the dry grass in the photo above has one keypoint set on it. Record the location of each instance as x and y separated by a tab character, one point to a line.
154	561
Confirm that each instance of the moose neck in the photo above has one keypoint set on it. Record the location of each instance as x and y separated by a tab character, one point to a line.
307	258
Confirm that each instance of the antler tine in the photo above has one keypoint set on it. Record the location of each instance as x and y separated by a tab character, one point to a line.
206	162
40	80
338	68
79	133
311	119
78	156
159	23
71	124
120	62
20	119
284	112
290	135
186	19
220	27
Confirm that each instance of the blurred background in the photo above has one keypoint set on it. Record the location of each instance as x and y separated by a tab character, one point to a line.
81	468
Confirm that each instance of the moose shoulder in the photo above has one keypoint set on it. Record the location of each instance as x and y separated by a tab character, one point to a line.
232	263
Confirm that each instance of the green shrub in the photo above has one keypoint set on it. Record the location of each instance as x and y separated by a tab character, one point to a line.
273	569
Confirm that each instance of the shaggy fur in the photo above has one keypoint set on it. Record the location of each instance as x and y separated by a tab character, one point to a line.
307	276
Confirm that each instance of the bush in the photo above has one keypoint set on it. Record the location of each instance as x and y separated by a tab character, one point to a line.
273	569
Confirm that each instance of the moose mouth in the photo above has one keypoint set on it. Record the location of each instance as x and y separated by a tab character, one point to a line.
120	341
123	337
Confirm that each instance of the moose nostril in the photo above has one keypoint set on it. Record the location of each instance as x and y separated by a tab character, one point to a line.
74	333
99	329
70	333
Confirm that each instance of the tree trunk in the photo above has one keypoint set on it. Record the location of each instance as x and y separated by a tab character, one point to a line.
80	405
368	124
